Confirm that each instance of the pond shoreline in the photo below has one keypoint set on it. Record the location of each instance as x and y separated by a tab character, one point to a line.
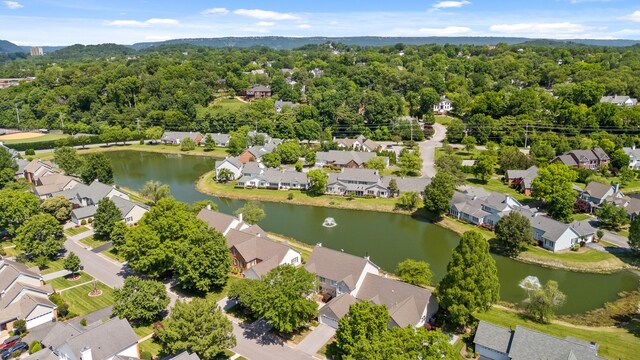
204	184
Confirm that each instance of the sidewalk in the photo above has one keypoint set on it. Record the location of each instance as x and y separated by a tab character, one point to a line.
55	275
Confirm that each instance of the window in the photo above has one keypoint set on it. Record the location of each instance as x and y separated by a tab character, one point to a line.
333	283
294	260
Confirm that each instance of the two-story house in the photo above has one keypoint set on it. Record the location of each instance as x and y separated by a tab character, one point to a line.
481	208
634	157
596	194
586	159
356	182
443	106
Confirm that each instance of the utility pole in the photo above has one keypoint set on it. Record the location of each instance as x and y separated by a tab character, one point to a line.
526	135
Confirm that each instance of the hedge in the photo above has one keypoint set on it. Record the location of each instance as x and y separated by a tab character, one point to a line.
52	144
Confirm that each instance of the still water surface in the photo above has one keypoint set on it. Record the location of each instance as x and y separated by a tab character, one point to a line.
387	238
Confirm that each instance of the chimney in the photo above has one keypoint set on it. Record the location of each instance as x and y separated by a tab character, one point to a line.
208	206
85	354
240	217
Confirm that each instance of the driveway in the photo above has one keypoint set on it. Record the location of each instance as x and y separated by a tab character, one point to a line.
314	341
428	150
617	240
255	342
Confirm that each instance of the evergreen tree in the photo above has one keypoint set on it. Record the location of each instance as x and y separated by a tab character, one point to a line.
471	284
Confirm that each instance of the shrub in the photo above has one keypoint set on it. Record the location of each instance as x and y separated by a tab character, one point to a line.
141	141
30	152
34	347
19	326
83	222
90	220
575	247
145	355
83	322
290	196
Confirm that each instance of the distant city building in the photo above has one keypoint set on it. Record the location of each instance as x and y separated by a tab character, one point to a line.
36	51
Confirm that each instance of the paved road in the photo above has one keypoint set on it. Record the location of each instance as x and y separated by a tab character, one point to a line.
428	150
87	146
314	341
95	265
616	239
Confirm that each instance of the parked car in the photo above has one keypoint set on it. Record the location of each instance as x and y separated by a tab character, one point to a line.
21	346
9	342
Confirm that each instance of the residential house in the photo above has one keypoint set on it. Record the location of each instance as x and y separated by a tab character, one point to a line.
131	211
317	72
47	185
82	195
554	235
185	355
596	193
522	179
258	92
176	137
339	272
630	204
634	157
358	144
275	179
254	134
111	340
232	164
481	208
495	342
287	72
22	164
14	153
345	159
279	105
357	182
23	296
36	169
252	252
256	152
443	106
221	140
408	305
619	100
587	159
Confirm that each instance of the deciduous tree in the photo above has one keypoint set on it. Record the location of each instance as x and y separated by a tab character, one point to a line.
252	212
58	206
612	216
107	215
202	262
289	152
153	191
153	133
634	235
97	167
40	235
542	302
16	206
377	163
72	263
484	166
140	300
438	193
513	233
198	326
68	160
317	182
410	163
554	185
471	284
271	160
118	234
414	272
364	322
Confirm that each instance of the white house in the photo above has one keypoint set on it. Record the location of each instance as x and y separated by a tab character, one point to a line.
619	100
634	157
232	164
131	211
554	235
219	139
444	106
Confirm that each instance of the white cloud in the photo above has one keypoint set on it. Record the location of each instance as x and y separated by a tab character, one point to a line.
213	11
136	23
265	14
533	29
13	5
446	31
450	4
304	26
265	23
635	16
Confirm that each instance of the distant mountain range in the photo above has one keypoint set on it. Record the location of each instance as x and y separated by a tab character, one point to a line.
280	42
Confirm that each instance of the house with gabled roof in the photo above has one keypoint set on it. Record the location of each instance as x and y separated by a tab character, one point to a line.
344	159
131	211
339	272
257	92
596	193
83	195
36	169
111	340
47	185
280	104
232	164
478	207
357	182
360	143
586	159
634	156
554	235
23	296
275	179
256	152
221	221
619	100
522	179
443	106
221	140
176	137
630	204
495	342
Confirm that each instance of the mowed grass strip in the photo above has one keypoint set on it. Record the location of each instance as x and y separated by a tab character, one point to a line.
112	254
81	303
614	343
62	283
75	230
92	242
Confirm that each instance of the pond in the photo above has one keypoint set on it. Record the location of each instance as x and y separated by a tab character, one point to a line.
387	238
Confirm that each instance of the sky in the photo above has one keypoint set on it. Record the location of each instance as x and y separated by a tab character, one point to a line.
66	22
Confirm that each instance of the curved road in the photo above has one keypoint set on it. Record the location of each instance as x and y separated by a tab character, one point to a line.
428	150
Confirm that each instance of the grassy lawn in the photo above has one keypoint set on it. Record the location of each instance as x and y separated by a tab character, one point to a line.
461	227
63	282
220	294
151	346
614	343
497	185
207	185
227	104
157	148
81	303
75	230
44	137
583	260
143	331
92	242
111	253
580	217
9	249
304	249
52	266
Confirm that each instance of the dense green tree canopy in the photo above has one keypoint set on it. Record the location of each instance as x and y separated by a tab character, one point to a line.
68	160
140	300
317	182
438	193
97	167
471	283
40	235
414	272
58	206
554	185
252	212
72	263
16	206
154	191
107	215
514	233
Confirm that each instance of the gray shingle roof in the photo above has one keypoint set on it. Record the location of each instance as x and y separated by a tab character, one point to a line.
338	306
530	344
179	135
493	337
597	190
342	158
552	229
104	340
283	176
218	138
232	160
336	265
216	220
185	355
84	212
125	206
406	184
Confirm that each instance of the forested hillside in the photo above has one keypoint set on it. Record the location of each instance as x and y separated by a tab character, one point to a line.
505	94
